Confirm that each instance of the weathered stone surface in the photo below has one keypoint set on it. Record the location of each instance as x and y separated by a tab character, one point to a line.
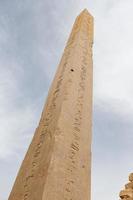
57	165
131	177
127	194
129	185
127	198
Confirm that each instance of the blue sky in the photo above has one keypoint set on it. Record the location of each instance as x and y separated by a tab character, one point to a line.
33	35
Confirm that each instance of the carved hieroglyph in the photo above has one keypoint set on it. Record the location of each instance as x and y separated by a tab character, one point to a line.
57	165
127	193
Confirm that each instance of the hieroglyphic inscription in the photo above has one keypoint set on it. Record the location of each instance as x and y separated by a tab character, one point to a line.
46	121
70	78
75	144
45	124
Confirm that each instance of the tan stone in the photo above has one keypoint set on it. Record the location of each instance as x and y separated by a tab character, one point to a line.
131	177
129	185
57	165
127	198
127	193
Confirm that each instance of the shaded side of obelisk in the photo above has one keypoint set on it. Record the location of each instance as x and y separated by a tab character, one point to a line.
57	165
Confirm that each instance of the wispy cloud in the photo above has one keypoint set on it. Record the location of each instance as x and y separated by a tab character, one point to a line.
112	149
113	49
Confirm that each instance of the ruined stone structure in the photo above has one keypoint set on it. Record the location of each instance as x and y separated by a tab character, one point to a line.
57	165
127	193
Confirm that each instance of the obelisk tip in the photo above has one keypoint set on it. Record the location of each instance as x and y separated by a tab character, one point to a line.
85	11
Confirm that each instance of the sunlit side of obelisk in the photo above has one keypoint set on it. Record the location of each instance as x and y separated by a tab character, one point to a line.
57	165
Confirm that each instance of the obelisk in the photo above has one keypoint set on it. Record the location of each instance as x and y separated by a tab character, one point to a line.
57	165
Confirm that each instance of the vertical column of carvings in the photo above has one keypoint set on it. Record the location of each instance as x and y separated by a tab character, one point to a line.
56	166
69	170
127	193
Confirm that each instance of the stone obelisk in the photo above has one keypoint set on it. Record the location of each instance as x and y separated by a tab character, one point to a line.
57	165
